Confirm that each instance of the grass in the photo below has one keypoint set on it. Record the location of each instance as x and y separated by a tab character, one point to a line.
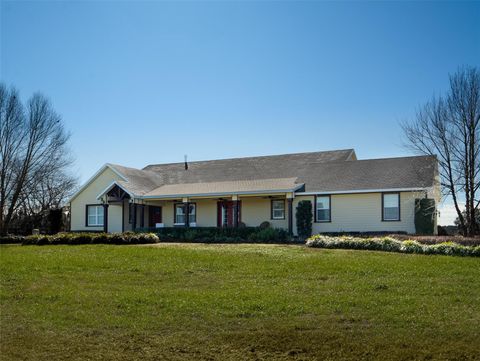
235	302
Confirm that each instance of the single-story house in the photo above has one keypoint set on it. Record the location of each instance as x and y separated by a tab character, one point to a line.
347	194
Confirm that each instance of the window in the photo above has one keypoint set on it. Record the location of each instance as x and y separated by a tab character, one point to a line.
180	213
94	215
278	209
322	209
391	206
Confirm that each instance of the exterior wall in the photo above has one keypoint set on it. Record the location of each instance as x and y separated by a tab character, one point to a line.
206	213
258	210
89	196
114	217
363	213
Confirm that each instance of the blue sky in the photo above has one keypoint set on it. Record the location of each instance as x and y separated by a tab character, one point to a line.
147	82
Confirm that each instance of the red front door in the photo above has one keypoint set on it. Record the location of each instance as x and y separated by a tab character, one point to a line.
155	215
226	213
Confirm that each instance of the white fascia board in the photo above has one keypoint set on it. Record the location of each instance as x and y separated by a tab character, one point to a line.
419	189
92	178
110	186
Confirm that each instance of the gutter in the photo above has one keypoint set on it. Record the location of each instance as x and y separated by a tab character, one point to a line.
380	190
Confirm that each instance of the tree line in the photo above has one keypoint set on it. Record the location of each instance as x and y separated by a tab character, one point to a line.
448	126
35	160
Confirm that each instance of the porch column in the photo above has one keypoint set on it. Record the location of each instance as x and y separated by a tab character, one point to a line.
142	216
186	211
134	219
105	217
235	211
290	216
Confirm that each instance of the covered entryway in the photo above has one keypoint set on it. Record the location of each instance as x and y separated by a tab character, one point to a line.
228	213
155	216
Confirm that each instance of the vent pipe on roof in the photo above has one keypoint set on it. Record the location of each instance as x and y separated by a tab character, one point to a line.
186	164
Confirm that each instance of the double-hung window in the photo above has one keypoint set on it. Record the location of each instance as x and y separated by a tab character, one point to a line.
322	209
180	213
94	215
391	207
278	209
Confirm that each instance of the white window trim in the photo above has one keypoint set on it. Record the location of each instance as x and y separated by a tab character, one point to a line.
282	201
385	219
190	220
96	215
323	209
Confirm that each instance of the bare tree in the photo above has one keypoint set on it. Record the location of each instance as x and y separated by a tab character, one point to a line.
448	127
34	155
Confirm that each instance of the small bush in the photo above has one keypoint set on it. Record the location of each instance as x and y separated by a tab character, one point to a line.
268	235
264	225
389	244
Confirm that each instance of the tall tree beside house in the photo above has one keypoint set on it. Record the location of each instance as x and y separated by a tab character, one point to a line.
448	126
34	157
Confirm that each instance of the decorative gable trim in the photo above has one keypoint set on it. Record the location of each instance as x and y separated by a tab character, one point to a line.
100	171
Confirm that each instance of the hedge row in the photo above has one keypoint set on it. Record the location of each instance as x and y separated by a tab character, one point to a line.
389	244
220	235
200	235
91	238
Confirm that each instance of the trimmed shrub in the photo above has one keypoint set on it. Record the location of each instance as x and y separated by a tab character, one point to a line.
303	215
389	244
269	235
221	235
424	216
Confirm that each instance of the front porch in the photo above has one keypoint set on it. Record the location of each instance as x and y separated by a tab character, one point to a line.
219	204
232	211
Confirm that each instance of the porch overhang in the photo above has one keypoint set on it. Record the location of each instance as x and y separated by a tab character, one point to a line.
111	186
276	186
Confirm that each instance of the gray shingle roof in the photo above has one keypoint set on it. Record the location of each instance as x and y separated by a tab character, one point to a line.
138	181
370	174
319	171
265	167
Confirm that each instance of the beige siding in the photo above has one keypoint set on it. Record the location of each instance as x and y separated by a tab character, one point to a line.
363	213
258	210
206	212
89	196
115	218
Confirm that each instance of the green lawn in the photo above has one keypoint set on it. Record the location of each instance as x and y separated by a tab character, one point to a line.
235	302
